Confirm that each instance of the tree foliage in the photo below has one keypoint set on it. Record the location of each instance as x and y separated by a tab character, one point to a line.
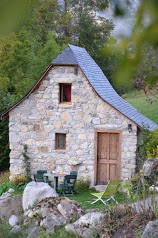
152	144
4	147
34	32
139	51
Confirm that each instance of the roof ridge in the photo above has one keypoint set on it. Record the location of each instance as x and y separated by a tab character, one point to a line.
104	89
78	56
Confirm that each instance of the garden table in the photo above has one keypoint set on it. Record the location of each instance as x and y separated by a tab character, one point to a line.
55	176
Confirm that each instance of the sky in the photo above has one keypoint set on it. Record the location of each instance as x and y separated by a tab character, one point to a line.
123	25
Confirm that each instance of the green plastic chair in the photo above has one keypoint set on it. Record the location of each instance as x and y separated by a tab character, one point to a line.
67	188
41	172
38	178
73	172
108	193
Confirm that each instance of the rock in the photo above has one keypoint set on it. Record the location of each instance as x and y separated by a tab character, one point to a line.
28	213
13	220
51	222
75	162
35	192
69	210
34	233
85	225
5	195
16	229
9	206
11	190
151	230
152	188
148	166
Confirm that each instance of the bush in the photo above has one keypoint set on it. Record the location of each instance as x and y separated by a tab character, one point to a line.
124	96
19	179
5	186
82	184
4	177
4	145
152	145
19	182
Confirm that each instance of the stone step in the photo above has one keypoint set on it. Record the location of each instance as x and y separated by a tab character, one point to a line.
99	188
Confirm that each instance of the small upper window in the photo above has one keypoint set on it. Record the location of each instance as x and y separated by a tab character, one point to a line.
65	92
60	141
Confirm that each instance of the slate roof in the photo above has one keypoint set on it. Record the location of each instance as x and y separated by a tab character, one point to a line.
66	57
74	55
77	56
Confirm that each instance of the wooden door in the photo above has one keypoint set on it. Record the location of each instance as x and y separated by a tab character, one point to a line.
108	157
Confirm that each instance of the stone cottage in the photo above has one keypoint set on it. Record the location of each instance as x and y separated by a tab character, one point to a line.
72	119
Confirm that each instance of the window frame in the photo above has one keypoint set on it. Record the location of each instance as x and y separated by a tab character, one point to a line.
57	141
61	90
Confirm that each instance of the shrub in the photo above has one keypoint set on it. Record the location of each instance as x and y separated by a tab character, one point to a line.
4	145
152	145
124	96
82	184
5	186
4	177
19	182
19	179
123	216
20	187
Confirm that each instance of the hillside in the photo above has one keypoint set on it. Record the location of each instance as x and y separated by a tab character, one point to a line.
147	105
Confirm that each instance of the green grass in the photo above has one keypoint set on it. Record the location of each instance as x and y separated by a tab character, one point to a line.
59	233
140	101
84	198
5	231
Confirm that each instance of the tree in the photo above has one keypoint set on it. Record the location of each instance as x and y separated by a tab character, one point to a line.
81	23
147	72
140	49
24	55
35	34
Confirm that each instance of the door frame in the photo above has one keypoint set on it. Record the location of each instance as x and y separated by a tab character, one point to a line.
96	147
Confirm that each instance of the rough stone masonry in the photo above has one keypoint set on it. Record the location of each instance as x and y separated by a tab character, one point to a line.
35	121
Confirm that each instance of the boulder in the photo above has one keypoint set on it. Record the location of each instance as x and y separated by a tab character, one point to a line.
35	192
51	222
151	230
16	229
34	233
69	209
13	220
148	166
9	206
86	225
5	195
11	190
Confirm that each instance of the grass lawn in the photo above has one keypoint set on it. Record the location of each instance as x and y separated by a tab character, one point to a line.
84	198
140	101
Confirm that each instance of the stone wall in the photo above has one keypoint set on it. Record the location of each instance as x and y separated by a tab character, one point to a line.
35	121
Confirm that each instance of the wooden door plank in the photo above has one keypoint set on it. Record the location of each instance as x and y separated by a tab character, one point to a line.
108	156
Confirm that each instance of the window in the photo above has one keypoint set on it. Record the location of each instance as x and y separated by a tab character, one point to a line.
65	93
60	141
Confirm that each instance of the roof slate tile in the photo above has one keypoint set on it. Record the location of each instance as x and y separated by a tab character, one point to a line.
74	55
